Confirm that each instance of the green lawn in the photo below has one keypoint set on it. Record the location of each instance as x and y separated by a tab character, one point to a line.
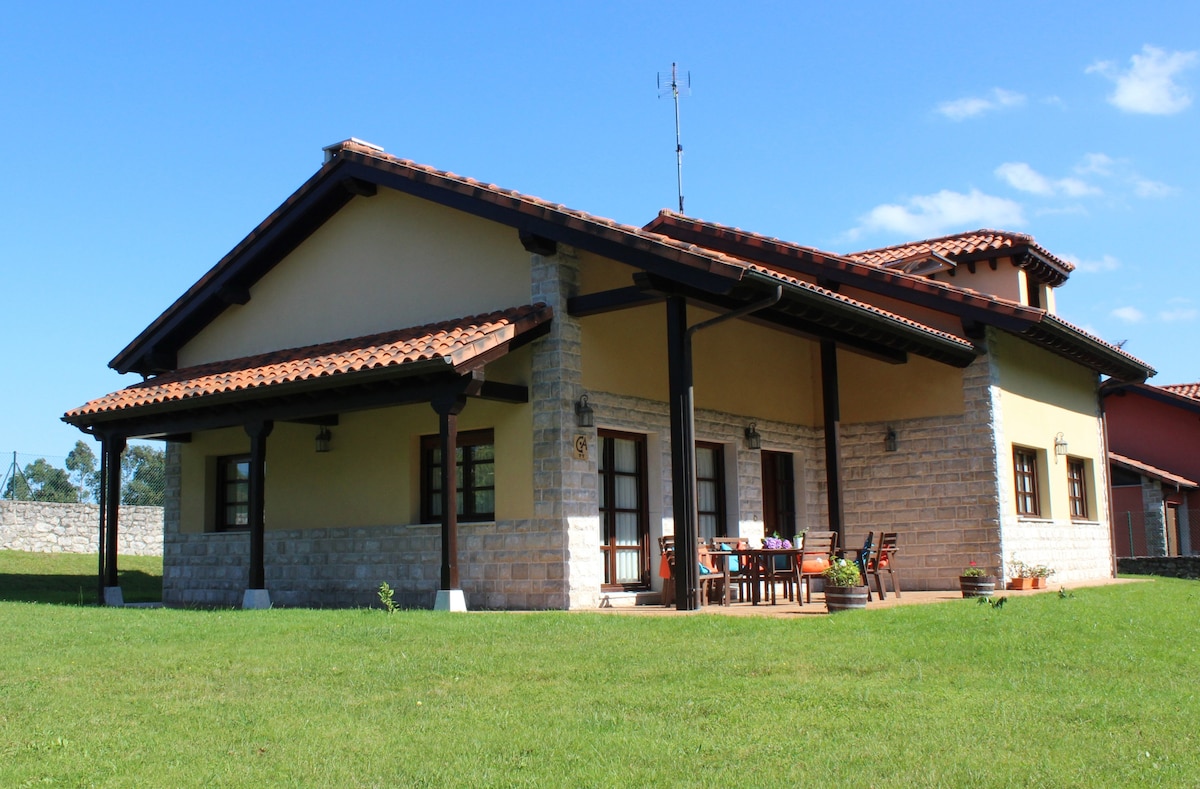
1098	689
72	578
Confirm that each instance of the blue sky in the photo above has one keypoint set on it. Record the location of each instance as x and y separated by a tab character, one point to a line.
144	140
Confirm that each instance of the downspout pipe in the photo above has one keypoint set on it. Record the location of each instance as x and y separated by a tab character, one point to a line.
683	446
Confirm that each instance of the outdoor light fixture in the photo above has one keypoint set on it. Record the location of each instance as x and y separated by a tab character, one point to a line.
753	439
584	416
889	441
323	439
1060	446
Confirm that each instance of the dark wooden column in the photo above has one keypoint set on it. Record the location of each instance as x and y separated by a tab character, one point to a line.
683	455
448	406
258	431
833	448
111	448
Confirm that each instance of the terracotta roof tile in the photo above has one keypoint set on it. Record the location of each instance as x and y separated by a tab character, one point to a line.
1151	471
456	342
1184	390
959	244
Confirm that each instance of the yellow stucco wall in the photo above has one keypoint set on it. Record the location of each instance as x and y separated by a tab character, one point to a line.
1041	395
743	368
381	263
371	475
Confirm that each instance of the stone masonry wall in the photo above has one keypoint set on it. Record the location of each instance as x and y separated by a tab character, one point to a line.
1169	566
50	527
938	490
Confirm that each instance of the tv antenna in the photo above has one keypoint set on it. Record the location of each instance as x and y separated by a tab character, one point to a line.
676	82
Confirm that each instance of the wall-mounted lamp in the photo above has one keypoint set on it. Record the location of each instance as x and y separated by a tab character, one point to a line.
753	439
584	416
323	439
889	440
1060	447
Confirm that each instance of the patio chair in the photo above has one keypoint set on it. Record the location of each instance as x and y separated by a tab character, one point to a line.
814	559
863	557
666	568
737	568
710	576
883	559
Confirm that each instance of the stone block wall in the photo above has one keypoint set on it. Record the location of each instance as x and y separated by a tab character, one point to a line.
1168	566
504	565
51	527
1076	551
938	490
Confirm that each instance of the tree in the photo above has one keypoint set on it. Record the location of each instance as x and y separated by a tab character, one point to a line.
143	475
81	461
41	481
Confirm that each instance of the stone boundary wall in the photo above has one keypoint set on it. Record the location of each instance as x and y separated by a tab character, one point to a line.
1168	566
51	527
504	565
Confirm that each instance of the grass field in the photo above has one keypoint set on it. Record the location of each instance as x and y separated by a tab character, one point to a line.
1095	689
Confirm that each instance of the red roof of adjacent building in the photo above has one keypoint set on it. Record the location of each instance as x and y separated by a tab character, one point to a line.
1152	471
1185	390
454	343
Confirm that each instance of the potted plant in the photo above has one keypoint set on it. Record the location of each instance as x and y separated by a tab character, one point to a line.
844	589
976	582
1041	574
1020	575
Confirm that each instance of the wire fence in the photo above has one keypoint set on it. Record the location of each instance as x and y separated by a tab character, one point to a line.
75	478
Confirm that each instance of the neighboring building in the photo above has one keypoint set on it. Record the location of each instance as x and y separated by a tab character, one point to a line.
608	385
1154	442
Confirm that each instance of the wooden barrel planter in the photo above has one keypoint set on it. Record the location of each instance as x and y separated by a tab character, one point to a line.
977	585
845	598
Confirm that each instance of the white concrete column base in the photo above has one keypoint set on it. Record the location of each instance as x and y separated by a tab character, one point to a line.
113	596
450	600
256	599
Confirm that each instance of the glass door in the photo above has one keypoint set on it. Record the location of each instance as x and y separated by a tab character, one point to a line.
624	520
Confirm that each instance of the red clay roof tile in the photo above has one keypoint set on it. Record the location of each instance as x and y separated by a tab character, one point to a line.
1184	390
1151	471
456	342
958	244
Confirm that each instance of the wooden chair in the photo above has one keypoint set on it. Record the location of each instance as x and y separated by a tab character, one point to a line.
737	568
710	576
814	559
666	568
863	557
882	559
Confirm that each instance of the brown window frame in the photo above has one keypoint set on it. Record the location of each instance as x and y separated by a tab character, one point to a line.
718	481
224	501
1077	490
467	439
606	478
1029	503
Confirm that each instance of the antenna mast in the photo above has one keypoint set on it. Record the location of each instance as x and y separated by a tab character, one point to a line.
674	86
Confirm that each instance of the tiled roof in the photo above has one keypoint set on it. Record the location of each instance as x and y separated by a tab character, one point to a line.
1184	390
960	245
1031	322
1151	471
454	343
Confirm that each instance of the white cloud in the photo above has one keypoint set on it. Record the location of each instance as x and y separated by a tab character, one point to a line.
1105	263
1149	85
1021	176
1095	164
974	106
1144	187
1128	314
1181	314
925	216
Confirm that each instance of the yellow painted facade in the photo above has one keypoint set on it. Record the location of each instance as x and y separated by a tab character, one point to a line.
381	263
1040	397
371	475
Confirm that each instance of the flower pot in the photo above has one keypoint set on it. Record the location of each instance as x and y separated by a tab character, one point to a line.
1039	583
977	585
1020	583
845	598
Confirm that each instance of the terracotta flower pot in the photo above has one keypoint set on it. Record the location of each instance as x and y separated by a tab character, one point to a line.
977	585
1020	583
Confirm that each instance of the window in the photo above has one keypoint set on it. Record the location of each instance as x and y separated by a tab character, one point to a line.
710	490
1077	489
474	474
624	518
233	492
1025	469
